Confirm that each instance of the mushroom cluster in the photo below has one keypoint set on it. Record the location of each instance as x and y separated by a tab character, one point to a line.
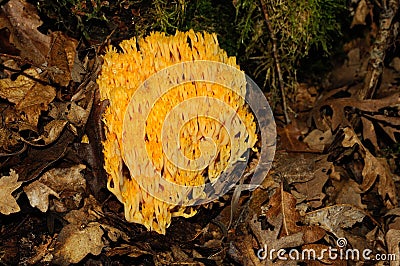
123	72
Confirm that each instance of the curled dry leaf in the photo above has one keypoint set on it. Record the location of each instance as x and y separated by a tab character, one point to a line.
51	133
8	184
62	58
393	243
29	96
390	124
22	21
55	182
38	195
361	14
335	218
374	169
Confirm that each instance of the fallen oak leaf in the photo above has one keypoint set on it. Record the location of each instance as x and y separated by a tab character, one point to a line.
29	96
8	184
38	195
335	218
52	131
371	109
338	104
55	182
283	204
374	169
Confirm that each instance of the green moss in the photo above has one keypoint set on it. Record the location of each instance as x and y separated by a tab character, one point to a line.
298	26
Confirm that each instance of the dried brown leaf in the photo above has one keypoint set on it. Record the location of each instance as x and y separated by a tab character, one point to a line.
62	57
369	131
289	137
31	165
83	234
284	203
8	184
56	182
366	107
393	243
52	132
317	139
22	20
335	218
313	188
76	241
347	191
374	169
30	97
361	14
38	195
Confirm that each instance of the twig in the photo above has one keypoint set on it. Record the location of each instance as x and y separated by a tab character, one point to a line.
276	58
382	42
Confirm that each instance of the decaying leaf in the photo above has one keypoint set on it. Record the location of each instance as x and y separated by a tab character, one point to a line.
284	203
38	195
29	96
76	241
375	170
312	188
318	140
393	242
22	20
83	234
339	107
271	237
348	191
62	58
289	136
55	182
8	184
335	218
52	131
361	14
70	111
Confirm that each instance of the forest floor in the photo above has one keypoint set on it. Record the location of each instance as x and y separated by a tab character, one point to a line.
332	191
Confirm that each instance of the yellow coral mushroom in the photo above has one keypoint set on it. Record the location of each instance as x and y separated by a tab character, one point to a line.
126	81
